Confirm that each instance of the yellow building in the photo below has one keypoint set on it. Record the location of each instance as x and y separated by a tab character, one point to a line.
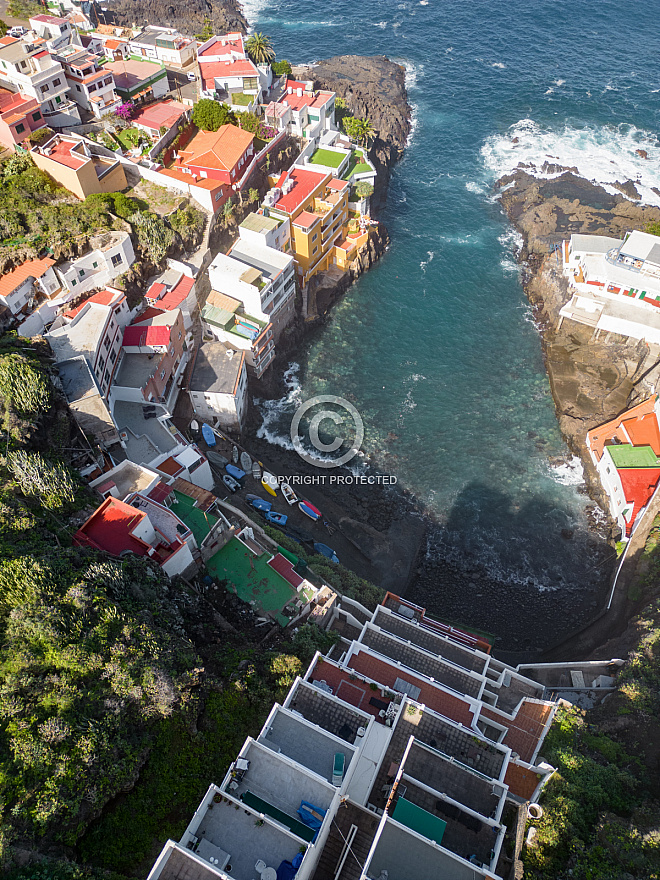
69	161
317	205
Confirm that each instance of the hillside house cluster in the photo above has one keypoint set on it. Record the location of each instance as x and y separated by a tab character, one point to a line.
405	746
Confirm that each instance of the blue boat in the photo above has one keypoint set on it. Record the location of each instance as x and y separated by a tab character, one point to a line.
310	511
208	435
260	504
324	550
234	471
278	518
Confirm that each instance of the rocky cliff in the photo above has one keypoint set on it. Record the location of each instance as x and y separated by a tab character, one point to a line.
188	16
373	88
592	380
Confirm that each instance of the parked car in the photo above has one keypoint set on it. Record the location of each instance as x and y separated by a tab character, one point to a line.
17	31
191	76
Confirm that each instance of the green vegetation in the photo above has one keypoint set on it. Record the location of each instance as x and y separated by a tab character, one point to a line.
4	27
259	49
653	227
207	31
280	68
189	223
364	189
35	212
601	813
359	130
154	236
24	9
209	115
241	99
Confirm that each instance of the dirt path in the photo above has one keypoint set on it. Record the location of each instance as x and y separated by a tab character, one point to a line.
8	19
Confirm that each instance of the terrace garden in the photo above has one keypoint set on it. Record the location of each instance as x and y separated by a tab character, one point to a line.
357	165
327	157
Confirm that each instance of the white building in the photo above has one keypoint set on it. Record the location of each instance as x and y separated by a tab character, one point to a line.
175	289
164	44
57	32
110	256
218	386
21	287
93	329
615	285
228	75
272	232
261	278
302	110
90	86
34	72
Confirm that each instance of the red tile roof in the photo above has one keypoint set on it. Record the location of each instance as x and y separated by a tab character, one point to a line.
233	42
147	335
218	150
174	297
111	527
156	290
307	99
521	781
638	485
285	568
305	182
233	67
101	297
305	220
160	492
162	113
49	19
526	729
62	151
33	268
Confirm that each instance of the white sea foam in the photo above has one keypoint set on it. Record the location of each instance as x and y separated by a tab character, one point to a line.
423	2
425	263
604	154
569	474
550	91
450	49
499	64
512	242
476	188
560	82
380	24
252	10
272	411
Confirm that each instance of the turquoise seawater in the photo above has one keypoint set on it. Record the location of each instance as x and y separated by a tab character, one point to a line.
436	345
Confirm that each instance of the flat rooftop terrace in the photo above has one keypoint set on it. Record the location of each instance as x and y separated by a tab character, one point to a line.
421	661
199	522
308	746
429	640
350	689
253	580
330	714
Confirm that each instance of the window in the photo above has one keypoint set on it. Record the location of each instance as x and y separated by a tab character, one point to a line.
106	378
58	100
81	272
101	364
45	88
315	236
113	356
91	88
218	196
95	265
107	81
20	128
179	334
315	248
57	82
73	282
116	259
78	88
36	117
106	343
162	374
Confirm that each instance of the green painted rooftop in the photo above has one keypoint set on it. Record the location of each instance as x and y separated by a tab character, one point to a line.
419	820
329	158
199	523
254	581
259	223
625	456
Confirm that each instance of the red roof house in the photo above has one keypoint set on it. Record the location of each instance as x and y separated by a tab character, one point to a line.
220	155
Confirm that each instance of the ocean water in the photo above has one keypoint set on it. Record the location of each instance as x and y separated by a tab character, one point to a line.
436	346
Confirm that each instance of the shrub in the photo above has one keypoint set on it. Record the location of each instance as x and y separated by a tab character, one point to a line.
24	386
36	476
281	67
209	115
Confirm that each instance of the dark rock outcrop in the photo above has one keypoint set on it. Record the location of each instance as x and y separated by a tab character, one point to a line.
373	88
186	15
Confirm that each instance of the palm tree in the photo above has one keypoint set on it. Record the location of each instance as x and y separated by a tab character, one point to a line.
366	132
260	49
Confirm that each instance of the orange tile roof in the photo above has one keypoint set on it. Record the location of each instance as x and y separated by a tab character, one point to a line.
617	429
202	182
526	729
160	113
305	219
61	152
32	268
220	150
521	781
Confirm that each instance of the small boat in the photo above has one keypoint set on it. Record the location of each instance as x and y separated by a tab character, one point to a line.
261	504
234	454
246	462
250	498
256	470
289	495
324	550
298	534
278	518
232	484
234	471
208	435
217	459
309	510
269	482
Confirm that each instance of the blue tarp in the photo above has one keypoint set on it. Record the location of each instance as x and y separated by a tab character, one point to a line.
311	815
286	871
